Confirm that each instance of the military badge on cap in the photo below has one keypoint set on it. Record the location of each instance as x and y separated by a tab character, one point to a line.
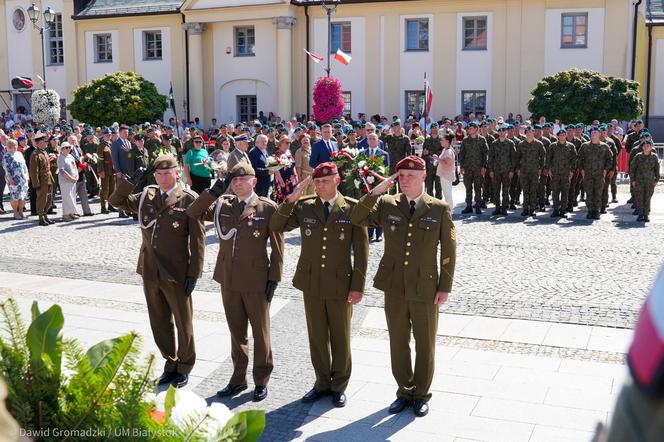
412	162
324	169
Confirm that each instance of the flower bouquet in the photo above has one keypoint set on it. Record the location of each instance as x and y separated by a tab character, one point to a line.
344	156
91	158
52	157
45	106
277	163
216	162
362	175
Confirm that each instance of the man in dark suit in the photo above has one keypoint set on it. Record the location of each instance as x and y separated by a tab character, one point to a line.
374	150
258	156
121	155
322	149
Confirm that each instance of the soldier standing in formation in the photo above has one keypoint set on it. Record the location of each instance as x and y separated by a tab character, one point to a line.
415	224
473	157
530	162
561	161
242	222
643	177
41	178
170	261
105	171
611	173
330	280
594	162
502	161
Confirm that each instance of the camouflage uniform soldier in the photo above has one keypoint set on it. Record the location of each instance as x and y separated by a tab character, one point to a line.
473	157
643	175
618	142
432	147
502	159
543	184
594	161
561	161
515	185
397	145
487	184
530	162
576	178
612	171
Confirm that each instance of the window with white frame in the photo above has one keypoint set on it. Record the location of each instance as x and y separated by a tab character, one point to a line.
341	37
152	45
103	48
414	103
474	33
246	108
347	103
574	30
417	34
54	43
473	102
245	39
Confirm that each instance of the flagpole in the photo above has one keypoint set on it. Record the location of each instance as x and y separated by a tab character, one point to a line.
424	111
171	103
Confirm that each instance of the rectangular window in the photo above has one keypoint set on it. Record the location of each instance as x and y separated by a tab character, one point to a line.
574	30
473	102
474	33
415	103
245	38
246	108
151	45
54	44
340	33
347	103
417	34
103	48
63	108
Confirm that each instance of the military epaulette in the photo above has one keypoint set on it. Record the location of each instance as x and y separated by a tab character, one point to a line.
152	186
351	200
308	198
190	192
267	200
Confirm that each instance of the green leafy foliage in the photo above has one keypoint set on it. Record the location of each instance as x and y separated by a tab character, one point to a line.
125	97
585	95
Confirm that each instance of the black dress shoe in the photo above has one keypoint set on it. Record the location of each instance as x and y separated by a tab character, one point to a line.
338	399
180	380
231	390
122	215
468	209
478	210
646	219
313	395
614	200
88	214
260	393
42	222
640	218
420	407
112	209
596	214
603	210
50	221
165	378
512	207
399	405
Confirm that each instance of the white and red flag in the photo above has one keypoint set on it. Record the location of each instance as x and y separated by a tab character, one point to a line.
428	94
342	57
315	58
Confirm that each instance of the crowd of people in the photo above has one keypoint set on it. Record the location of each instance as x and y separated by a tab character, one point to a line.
504	162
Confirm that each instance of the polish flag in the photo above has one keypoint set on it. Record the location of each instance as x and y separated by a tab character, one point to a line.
429	95
342	57
315	58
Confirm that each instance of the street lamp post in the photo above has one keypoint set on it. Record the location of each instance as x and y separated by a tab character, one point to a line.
49	18
330	9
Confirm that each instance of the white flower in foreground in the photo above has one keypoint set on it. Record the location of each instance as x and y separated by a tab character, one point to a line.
361	164
371	179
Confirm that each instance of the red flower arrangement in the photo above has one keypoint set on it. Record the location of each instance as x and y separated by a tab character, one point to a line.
328	99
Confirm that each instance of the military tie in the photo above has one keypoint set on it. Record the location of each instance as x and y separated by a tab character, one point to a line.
326	210
164	197
412	208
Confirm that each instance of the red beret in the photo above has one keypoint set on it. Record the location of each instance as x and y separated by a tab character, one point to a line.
412	162
325	169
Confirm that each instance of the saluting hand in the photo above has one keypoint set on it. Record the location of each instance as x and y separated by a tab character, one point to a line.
385	185
440	298
299	189
354	297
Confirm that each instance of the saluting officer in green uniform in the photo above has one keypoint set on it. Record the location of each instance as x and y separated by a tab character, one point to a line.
330	280
170	261
414	279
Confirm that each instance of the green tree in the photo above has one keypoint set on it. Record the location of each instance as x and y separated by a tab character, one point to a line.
585	95
125	97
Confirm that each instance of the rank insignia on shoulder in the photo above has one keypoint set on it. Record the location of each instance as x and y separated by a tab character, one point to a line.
446	261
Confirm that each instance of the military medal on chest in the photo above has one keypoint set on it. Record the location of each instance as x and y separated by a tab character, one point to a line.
250	217
341	236
257	233
176	224
307	232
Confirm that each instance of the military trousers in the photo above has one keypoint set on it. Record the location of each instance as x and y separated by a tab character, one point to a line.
328	326
614	185
501	186
170	308
560	190
432	185
107	187
44	198
472	180
242	309
542	190
572	194
636	417
643	191
529	183
593	185
515	189
404	316
605	191
487	189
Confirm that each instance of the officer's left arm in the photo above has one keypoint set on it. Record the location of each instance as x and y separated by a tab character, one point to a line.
276	254
447	252
360	258
196	247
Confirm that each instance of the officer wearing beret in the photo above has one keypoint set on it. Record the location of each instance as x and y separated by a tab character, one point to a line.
41	178
414	279
170	261
240	153
330	280
248	277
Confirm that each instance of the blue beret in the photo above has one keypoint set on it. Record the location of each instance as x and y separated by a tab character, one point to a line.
562	131
472	124
537	126
529	128
396	123
106	131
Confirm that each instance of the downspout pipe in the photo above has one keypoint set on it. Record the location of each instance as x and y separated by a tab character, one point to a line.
648	78
306	14
634	34
186	64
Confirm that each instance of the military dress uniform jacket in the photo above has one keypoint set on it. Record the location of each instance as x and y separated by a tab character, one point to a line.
242	263
105	163
40	169
173	244
325	268
235	157
410	266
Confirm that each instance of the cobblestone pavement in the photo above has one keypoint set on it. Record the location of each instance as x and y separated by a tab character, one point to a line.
566	271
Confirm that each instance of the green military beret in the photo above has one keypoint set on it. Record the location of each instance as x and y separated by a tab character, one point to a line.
313	127
434	124
648	142
337	125
594	129
165	161
644	134
537	126
297	130
502	128
139	137
638	122
379	127
242	137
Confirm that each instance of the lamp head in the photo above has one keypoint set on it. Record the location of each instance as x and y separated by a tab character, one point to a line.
33	13
49	15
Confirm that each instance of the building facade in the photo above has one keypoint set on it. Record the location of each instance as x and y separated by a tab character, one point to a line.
229	59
